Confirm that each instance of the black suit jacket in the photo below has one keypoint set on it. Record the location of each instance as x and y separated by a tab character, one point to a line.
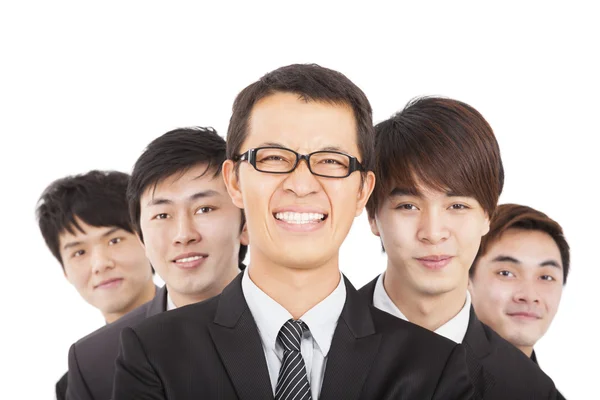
61	388
212	350
497	369
534	359
92	359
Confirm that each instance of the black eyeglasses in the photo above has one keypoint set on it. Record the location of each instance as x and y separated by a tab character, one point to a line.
279	160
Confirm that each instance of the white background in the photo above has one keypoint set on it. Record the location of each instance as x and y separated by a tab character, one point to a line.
86	86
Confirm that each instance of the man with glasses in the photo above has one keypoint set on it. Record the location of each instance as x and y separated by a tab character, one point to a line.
278	160
300	152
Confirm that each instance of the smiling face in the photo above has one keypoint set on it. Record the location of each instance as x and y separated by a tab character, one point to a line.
431	238
517	286
298	220
108	267
192	233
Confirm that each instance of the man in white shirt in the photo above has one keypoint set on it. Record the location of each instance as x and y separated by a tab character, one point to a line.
191	232
300	155
439	175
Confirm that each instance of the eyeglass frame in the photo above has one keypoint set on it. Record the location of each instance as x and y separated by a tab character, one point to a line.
250	156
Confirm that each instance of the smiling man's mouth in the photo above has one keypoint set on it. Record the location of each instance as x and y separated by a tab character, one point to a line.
300	218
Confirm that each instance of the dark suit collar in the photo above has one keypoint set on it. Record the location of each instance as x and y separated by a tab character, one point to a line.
478	347
369	289
238	342
232	304
356	313
159	303
534	357
476	337
354	347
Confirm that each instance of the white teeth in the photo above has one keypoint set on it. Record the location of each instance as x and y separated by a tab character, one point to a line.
188	259
299	218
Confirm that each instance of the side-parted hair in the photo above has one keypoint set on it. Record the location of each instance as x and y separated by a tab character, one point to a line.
310	82
441	143
175	152
98	198
515	216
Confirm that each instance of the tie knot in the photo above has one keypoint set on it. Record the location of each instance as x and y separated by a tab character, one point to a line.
290	334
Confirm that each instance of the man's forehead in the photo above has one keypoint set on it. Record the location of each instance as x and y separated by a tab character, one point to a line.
294	122
181	183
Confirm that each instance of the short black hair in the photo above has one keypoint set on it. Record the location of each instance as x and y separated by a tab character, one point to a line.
98	198
175	152
310	82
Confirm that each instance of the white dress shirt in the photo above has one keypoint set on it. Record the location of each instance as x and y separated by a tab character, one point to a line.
455	329
170	304
321	321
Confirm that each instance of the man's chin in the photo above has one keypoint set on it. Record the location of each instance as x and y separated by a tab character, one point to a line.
437	288
302	260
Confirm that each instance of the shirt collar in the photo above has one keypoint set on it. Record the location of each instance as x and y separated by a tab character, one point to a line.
270	315
170	304
455	329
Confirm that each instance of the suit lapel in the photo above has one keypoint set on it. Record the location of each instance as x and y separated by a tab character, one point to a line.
369	290
478	347
354	347
159	303
237	340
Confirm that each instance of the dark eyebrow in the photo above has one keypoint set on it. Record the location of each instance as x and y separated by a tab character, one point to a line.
332	148
195	196
79	243
110	231
271	144
204	194
551	263
547	263
397	192
502	258
71	244
326	148
158	201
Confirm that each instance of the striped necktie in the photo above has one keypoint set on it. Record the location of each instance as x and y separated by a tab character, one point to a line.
292	383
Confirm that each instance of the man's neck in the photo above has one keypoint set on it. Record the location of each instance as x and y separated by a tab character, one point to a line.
144	297
184	299
425	310
295	289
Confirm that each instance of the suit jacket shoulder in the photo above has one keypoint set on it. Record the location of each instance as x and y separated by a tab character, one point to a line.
61	388
92	358
515	375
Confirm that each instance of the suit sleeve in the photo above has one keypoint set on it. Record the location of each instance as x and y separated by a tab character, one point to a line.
454	383
135	378
61	388
77	389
